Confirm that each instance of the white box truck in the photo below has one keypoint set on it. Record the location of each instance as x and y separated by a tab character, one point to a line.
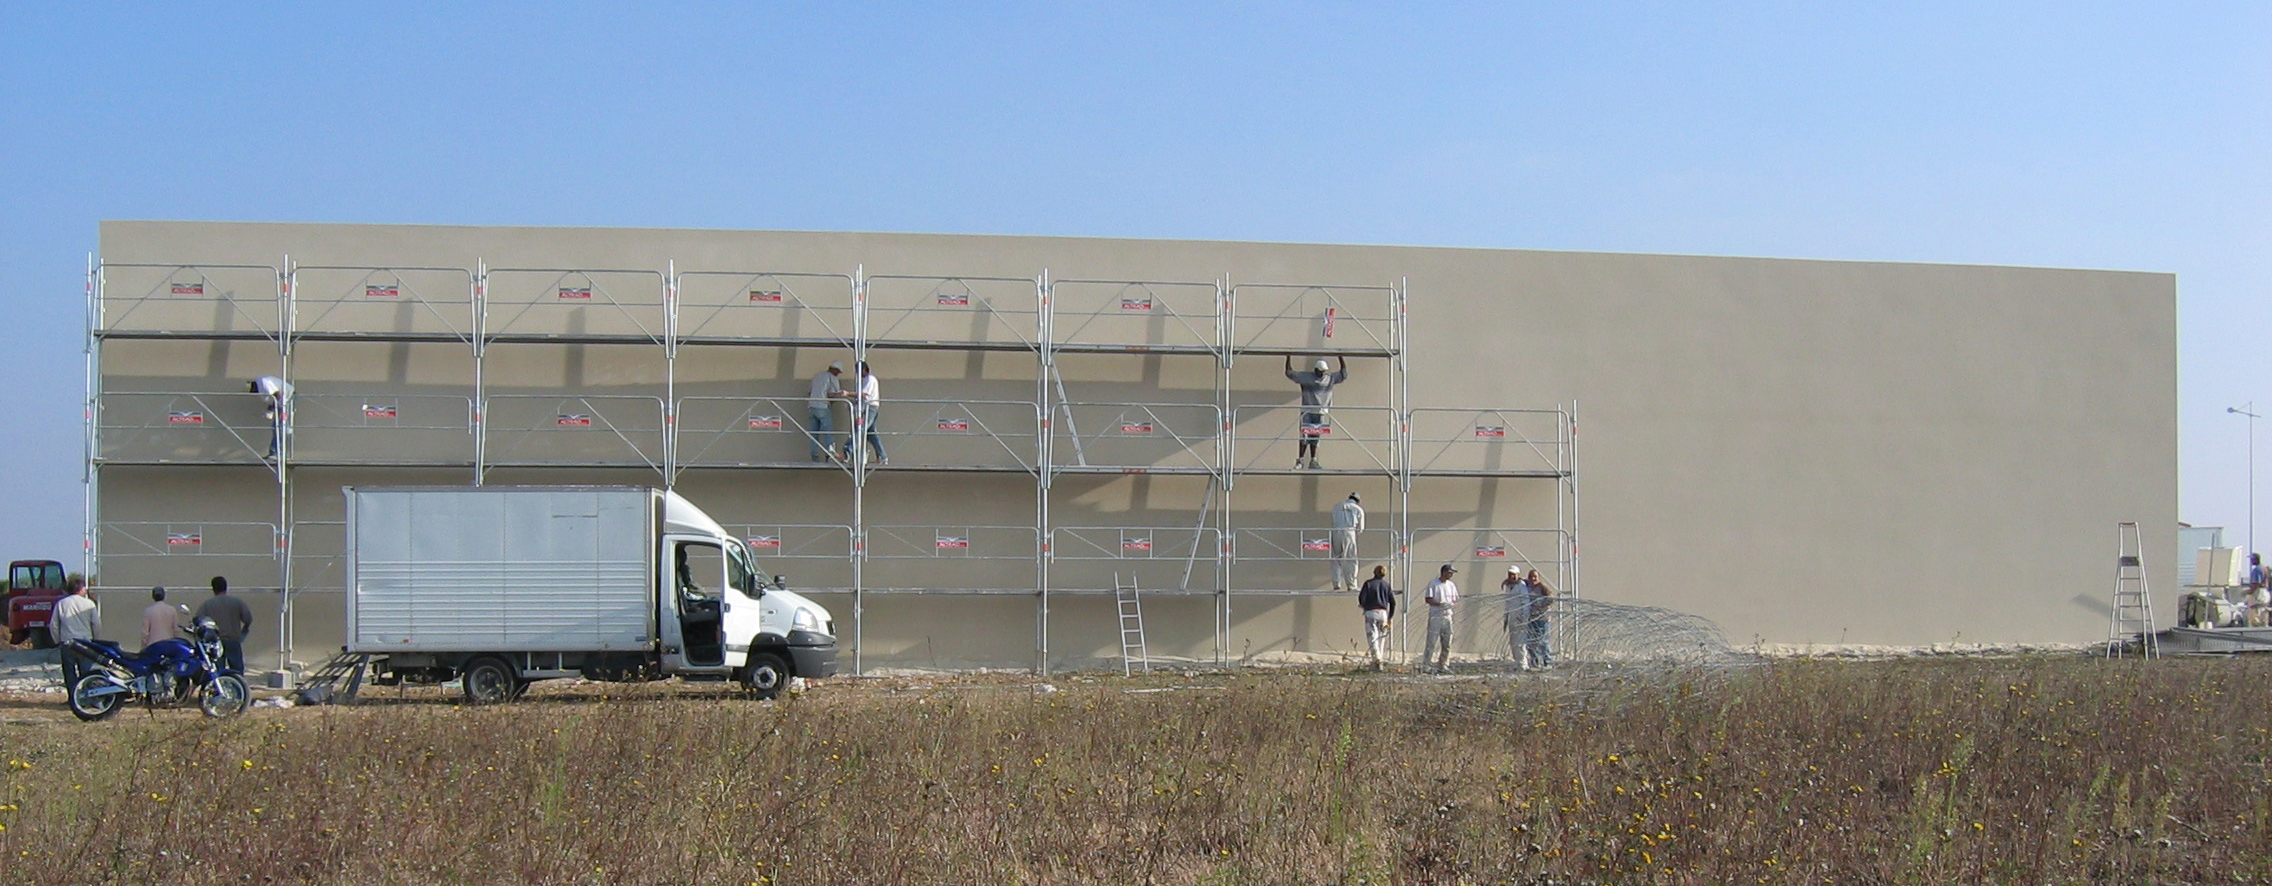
496	586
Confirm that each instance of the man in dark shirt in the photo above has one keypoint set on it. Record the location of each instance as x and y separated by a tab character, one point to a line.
1379	605
233	618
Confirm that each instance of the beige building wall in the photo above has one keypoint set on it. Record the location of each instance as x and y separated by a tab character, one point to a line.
1804	452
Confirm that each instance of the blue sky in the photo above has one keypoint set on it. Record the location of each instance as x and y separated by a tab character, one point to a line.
2131	136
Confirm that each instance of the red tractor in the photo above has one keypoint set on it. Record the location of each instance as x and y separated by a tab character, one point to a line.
33	588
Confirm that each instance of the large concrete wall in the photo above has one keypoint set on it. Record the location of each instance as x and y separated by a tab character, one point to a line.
1805	452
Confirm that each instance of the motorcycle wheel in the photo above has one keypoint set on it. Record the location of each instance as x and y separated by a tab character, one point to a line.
94	707
226	696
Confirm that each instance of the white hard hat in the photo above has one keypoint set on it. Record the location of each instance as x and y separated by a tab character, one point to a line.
835	366
1319	366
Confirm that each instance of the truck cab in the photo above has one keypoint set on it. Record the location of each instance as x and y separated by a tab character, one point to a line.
722	617
33	588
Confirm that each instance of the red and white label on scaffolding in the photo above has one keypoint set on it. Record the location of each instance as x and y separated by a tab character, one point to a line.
1136	303
381	410
1329	315
382	290
954	299
1492	431
576	293
765	423
1316	430
954	423
574	421
185	418
953	542
1135	427
765	296
1136	544
1317	544
184	539
764	541
187	289
1489	551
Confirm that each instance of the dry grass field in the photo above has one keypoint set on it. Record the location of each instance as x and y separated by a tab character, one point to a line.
1997	771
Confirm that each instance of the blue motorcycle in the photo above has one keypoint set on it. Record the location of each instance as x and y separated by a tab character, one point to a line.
168	673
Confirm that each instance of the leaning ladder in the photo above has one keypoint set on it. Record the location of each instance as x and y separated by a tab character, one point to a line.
2133	619
1133	655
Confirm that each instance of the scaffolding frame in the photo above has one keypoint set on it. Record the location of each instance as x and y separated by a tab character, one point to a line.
1227	443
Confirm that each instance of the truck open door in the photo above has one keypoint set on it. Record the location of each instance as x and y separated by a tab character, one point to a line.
691	605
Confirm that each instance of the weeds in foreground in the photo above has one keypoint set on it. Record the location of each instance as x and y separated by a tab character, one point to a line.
1804	772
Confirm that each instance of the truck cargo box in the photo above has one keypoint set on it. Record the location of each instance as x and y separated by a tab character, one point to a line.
533	569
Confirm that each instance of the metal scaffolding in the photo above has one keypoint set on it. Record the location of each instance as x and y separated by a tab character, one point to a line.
481	426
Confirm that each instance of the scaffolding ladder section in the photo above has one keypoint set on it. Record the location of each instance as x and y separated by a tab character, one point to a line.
2133	619
1133	655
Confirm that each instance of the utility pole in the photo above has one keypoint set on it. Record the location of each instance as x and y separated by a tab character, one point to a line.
2247	409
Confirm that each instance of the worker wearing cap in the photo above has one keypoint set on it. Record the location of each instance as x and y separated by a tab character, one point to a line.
867	403
1441	595
1317	398
275	398
1348	521
1378	602
819	404
1516	618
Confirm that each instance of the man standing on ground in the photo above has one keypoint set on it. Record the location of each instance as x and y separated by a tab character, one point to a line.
1541	599
275	398
1517	617
1317	399
1441	595
1378	602
158	622
233	619
866	403
1348	521
819	406
76	617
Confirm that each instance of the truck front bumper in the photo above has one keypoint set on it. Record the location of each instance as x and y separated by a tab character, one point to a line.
812	654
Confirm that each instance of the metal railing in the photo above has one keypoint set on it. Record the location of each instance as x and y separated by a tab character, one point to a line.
1359	439
1489	442
169	298
960	311
569	304
376	302
194	427
546	429
766	306
1284	318
382	428
1135	316
1137	437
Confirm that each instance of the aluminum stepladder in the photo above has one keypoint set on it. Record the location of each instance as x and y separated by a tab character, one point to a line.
2133	618
1133	655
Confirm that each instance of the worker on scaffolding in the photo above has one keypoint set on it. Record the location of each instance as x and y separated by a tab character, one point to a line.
1317	398
275	398
866	402
1348	521
819	405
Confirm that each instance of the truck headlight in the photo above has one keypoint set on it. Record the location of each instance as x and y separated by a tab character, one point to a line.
804	620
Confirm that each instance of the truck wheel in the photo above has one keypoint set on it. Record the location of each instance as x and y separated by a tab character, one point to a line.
489	681
765	675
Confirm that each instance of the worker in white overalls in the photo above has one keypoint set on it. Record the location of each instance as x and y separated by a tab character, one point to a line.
275	401
1348	521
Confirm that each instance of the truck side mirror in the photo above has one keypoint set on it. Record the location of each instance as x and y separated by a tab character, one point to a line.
781	581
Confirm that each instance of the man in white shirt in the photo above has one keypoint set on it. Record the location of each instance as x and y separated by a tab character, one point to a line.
819	406
158	621
76	617
1348	521
275	398
865	403
1441	595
